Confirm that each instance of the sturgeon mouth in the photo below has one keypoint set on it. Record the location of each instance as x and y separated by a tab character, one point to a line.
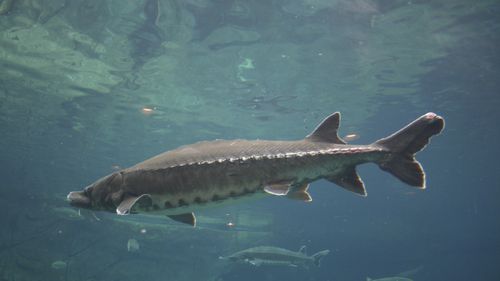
79	199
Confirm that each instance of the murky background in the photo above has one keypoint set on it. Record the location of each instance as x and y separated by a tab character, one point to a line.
91	86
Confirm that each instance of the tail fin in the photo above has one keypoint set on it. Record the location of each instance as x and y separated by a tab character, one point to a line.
318	256
405	143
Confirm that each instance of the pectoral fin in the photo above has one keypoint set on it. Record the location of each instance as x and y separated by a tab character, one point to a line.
129	201
350	180
188	218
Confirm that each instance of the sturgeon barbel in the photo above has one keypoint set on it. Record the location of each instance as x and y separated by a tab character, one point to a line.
178	182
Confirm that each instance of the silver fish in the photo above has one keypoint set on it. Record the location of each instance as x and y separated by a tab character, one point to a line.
395	278
178	182
268	255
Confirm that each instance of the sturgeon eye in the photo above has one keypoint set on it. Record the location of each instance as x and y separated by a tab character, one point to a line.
88	191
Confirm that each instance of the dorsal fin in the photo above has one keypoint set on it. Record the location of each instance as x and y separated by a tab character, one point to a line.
326	131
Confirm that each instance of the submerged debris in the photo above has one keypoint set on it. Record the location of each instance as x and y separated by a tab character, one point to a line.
132	245
5	6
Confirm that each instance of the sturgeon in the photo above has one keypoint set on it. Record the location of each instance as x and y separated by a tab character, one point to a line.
268	255
395	278
178	182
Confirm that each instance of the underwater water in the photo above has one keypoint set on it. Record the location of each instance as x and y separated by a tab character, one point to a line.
88	87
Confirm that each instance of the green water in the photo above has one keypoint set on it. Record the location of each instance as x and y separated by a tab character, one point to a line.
91	86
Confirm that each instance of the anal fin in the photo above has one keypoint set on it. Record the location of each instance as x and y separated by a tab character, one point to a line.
300	193
350	180
187	218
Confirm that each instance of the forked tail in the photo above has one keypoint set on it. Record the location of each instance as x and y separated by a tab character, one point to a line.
404	144
318	256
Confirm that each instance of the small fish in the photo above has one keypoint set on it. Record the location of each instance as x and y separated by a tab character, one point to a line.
395	278
178	182
147	110
351	137
402	276
274	256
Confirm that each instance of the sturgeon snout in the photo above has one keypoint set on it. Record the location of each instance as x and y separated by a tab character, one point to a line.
79	199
